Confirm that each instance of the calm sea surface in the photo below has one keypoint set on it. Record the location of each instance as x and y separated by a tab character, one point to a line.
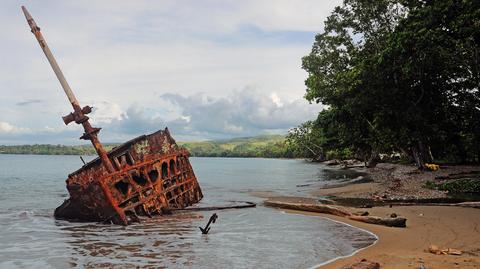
31	187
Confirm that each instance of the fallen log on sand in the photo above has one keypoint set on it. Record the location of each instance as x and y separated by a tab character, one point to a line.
318	208
337	211
212	208
391	222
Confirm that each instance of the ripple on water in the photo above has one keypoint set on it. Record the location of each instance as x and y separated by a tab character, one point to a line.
257	237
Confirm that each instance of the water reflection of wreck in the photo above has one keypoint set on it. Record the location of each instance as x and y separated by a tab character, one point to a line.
148	175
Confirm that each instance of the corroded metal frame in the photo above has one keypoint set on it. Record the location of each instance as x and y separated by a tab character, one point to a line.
146	176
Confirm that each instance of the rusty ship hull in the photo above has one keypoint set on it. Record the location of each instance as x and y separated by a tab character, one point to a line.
146	176
153	176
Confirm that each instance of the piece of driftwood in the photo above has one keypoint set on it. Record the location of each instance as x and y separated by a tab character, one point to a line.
318	208
468	204
211	208
391	222
434	249
337	211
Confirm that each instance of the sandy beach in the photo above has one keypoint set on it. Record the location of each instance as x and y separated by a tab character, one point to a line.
444	226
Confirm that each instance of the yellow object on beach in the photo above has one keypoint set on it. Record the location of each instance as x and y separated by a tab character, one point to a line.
432	167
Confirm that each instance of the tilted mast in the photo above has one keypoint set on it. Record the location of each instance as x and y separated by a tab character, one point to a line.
79	114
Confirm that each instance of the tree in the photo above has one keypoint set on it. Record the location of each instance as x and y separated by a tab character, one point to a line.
399	76
353	33
431	61
306	141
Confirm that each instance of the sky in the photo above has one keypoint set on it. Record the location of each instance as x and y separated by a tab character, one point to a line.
204	69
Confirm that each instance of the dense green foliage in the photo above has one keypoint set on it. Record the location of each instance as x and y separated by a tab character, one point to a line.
272	146
47	149
457	186
396	76
461	186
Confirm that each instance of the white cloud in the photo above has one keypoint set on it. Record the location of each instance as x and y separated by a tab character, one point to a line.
120	56
276	100
106	112
198	116
6	127
246	112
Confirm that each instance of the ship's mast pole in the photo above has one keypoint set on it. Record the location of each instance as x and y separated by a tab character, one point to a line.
78	114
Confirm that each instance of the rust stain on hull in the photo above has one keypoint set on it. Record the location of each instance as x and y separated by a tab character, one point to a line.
146	176
153	176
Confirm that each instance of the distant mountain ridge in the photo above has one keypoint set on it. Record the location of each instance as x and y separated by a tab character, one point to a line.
268	146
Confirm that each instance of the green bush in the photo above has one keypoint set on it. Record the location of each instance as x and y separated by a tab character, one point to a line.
461	186
341	154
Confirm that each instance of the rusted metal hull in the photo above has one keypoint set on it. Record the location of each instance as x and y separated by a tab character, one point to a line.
153	175
146	176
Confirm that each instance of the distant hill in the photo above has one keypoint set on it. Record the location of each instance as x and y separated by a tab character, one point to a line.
268	146
47	149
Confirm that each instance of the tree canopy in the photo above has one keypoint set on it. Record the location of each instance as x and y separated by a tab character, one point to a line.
397	76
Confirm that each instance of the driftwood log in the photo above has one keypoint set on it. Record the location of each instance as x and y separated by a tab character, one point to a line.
212	208
337	211
391	222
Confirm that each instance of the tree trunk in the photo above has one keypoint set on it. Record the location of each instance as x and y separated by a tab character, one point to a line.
425	152
417	158
317	156
373	160
407	154
320	155
421	155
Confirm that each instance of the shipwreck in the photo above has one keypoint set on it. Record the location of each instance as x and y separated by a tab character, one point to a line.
148	175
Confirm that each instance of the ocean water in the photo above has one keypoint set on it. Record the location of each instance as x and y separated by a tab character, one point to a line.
31	187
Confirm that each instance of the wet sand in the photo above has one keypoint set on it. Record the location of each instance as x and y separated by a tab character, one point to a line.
360	190
444	226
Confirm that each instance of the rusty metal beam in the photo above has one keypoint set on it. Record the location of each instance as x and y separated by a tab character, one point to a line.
79	113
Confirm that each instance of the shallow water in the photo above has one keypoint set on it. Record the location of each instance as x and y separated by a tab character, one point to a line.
32	186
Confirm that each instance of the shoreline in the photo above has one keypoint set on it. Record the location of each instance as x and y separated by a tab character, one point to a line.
340	257
395	182
408	247
399	248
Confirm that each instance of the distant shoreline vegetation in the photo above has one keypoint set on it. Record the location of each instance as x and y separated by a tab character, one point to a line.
266	146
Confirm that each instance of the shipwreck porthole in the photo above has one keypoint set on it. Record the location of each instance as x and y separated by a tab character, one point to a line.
179	163
172	167
164	170
153	174
124	159
139	179
122	187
